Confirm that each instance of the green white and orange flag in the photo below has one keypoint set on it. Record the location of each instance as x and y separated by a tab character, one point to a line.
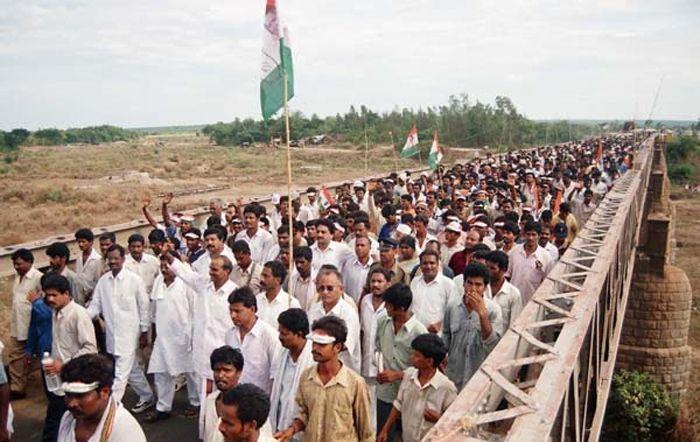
277	60
325	200
435	155
411	146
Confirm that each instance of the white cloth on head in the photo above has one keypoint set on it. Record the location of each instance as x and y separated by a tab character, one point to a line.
344	310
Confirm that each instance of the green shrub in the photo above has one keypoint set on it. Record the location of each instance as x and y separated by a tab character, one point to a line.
680	173
638	410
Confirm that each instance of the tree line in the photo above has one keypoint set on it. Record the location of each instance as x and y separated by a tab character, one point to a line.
460	122
11	140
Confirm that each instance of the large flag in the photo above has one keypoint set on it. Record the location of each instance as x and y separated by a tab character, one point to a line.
435	156
277	59
325	200
599	155
411	146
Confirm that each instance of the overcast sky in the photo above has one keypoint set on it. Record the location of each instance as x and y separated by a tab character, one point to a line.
68	63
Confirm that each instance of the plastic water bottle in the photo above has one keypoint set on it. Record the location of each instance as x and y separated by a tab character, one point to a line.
53	381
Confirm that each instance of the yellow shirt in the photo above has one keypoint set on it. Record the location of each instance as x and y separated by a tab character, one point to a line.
338	411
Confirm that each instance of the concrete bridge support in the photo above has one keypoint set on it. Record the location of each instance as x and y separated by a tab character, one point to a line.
656	326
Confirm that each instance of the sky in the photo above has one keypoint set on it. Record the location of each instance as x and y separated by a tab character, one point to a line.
74	63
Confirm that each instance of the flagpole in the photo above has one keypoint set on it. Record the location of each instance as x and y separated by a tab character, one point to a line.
290	208
393	149
366	150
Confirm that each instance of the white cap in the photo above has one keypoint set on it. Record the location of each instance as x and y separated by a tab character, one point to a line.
275	198
480	224
320	339
187	218
339	227
454	226
403	228
357	184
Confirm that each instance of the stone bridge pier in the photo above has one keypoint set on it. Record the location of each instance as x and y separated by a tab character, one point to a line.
657	320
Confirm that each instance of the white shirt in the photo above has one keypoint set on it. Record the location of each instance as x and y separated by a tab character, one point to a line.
528	272
211	315
148	268
124	429
553	251
302	289
348	313
368	324
173	307
355	276
270	311
88	271
201	265
260	244
511	303
446	252
21	308
308	212
430	298
260	347
336	254
123	302
421	247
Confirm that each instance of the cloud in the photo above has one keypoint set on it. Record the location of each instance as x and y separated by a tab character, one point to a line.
131	63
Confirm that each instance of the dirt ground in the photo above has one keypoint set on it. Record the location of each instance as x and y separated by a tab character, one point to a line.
55	190
687	252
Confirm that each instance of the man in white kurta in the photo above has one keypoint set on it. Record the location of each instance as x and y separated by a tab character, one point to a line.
356	268
211	317
330	289
88	266
431	292
258	341
294	358
27	279
145	265
273	300
121	298
173	314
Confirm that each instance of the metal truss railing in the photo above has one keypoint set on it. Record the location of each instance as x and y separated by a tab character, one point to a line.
549	376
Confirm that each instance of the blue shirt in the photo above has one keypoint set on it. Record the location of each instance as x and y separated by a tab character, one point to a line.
39	337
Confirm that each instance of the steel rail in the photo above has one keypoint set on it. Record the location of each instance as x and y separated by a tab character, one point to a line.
554	365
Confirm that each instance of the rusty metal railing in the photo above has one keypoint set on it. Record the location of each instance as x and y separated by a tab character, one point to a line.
549	376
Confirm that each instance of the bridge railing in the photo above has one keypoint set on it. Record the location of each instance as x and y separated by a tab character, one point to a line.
549	376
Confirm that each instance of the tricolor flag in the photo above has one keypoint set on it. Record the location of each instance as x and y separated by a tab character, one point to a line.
325	200
411	146
599	155
277	60
435	156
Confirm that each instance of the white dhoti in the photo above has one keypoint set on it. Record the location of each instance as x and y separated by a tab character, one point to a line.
128	370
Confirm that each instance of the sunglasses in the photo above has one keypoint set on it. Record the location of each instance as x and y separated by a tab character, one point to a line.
325	288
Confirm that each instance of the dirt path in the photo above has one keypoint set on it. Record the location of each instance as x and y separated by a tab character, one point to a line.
688	249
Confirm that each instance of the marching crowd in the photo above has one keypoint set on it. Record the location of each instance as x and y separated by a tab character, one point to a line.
400	289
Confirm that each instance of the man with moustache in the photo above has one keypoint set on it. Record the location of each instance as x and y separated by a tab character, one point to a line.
227	366
330	382
93	413
73	335
293	360
121	298
211	318
215	244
